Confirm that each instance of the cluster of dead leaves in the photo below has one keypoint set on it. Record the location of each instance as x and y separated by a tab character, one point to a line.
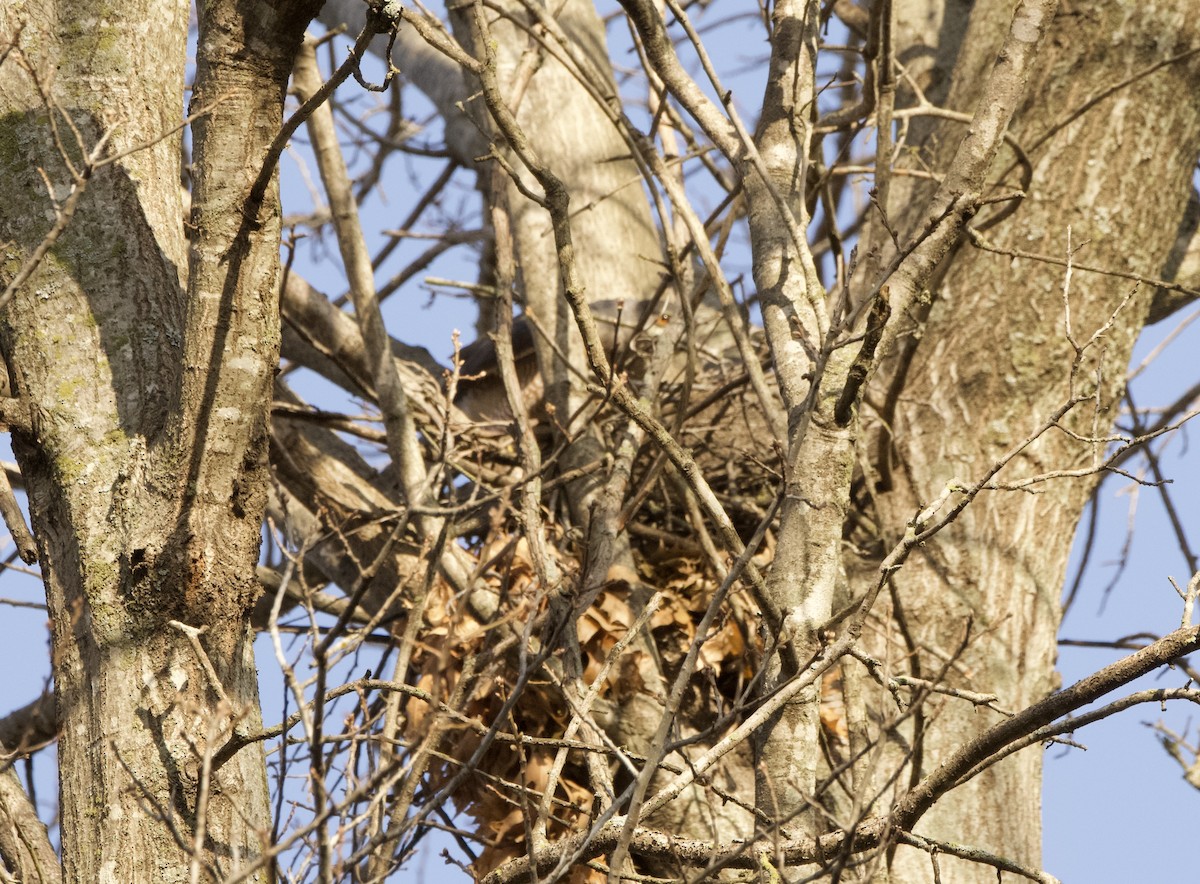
504	794
506	788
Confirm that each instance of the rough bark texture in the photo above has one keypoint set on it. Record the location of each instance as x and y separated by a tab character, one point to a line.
146	364
992	363
24	844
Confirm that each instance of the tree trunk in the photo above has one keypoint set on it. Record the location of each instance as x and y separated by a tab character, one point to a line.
992	362
145	364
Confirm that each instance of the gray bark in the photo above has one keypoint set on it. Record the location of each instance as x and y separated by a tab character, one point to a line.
145	361
991	363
